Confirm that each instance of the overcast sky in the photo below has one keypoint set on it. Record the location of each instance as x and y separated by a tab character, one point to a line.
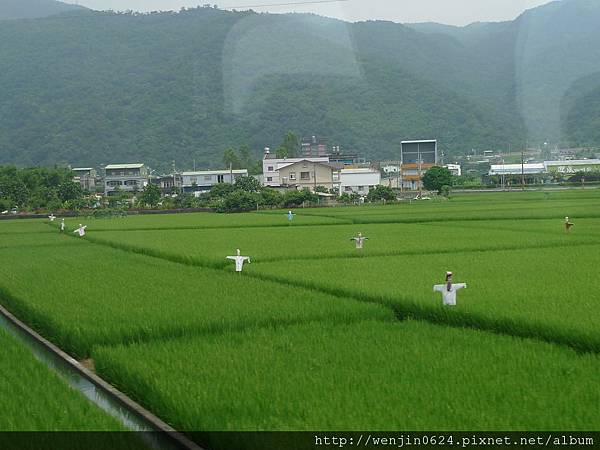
453	12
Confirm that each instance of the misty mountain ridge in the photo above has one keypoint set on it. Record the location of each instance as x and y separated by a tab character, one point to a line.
33	9
104	87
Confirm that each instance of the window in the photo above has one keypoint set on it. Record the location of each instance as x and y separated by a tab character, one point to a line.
361	188
207	177
220	178
269	178
305	175
292	175
270	169
114	183
131	183
193	180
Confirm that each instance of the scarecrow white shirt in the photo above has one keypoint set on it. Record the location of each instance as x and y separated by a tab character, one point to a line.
360	241
81	230
449	295
239	261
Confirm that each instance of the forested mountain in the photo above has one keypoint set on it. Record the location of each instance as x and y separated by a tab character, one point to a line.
31	9
103	87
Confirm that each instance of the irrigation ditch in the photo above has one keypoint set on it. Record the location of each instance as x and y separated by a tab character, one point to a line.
155	433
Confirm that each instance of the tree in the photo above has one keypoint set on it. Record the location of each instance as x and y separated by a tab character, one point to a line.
150	195
240	201
221	190
231	159
70	190
270	197
379	193
436	177
248	184
290	146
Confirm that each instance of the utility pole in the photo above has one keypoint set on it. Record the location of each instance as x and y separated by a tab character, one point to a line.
523	169
420	162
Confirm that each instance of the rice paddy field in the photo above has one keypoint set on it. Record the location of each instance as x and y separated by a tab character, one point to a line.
317	335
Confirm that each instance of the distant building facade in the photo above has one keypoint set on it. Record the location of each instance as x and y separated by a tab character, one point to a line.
203	181
455	169
272	164
169	184
86	177
314	146
572	166
308	174
416	157
359	181
125	177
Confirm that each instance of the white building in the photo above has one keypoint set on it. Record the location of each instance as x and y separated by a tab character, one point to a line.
272	165
517	169
455	169
125	177
391	168
203	180
359	181
572	166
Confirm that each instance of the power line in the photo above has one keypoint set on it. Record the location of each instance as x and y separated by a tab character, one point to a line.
310	2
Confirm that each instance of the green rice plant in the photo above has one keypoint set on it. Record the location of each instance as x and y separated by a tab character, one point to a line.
36	399
21	226
362	376
498	206
37	240
209	247
585	229
548	293
198	221
79	296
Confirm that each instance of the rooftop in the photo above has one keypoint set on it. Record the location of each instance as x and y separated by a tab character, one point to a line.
572	162
424	141
124	166
216	172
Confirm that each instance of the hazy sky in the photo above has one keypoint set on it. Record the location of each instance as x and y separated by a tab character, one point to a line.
454	12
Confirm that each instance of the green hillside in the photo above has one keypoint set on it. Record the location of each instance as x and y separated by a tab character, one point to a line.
105	87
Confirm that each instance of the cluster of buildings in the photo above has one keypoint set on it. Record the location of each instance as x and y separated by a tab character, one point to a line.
318	165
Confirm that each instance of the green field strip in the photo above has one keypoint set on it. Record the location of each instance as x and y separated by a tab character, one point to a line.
87	295
510	292
584	229
208	248
192	221
362	376
36	399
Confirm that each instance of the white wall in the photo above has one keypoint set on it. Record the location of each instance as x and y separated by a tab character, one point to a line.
358	181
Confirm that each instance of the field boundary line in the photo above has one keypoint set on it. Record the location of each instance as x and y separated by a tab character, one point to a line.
156	423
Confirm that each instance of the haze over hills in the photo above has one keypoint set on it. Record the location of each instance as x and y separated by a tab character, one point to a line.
104	87
32	9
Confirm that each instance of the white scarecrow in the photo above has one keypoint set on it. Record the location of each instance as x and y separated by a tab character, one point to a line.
360	240
290	216
52	217
239	260
80	230
62	225
449	289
